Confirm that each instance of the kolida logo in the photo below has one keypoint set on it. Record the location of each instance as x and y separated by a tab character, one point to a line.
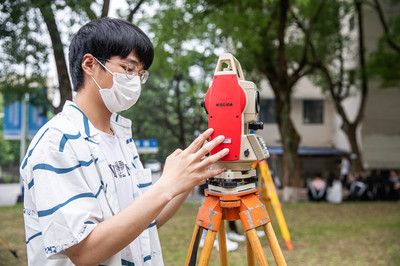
224	104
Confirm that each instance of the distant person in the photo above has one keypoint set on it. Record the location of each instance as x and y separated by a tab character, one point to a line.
317	189
375	184
394	184
344	169
334	192
357	187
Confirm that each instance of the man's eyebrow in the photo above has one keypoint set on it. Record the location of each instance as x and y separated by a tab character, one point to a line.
133	61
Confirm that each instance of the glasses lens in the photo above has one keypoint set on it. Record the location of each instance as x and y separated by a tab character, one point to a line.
144	75
130	71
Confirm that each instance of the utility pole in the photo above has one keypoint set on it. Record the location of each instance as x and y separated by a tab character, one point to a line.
24	100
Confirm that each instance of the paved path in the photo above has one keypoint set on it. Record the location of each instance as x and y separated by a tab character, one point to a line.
9	194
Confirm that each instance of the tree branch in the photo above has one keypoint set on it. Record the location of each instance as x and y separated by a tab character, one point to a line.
307	33
364	79
106	7
385	26
282	64
59	56
134	10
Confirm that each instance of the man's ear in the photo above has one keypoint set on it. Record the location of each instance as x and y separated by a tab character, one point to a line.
88	63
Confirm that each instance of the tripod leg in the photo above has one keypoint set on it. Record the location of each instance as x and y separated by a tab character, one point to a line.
223	253
270	187
250	254
207	248
194	245
256	246
273	243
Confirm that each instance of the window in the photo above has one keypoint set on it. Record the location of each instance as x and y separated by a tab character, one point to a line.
313	111
267	112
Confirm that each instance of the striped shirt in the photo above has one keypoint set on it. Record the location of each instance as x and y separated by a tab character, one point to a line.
69	189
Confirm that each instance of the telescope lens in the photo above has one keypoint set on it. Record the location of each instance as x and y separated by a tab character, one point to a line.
257	99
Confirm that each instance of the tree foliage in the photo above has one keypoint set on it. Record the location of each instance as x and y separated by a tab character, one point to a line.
276	40
169	106
384	62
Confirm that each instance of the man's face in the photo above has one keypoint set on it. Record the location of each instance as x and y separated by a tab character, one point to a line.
116	65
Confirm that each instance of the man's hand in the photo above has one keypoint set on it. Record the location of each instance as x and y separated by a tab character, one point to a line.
185	169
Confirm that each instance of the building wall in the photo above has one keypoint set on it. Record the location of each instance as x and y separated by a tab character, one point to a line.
312	135
380	132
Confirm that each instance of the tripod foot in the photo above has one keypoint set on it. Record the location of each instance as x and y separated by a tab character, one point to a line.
289	245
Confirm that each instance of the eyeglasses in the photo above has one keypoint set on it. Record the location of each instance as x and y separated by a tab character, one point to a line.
131	70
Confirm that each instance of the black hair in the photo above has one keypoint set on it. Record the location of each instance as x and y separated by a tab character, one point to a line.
104	38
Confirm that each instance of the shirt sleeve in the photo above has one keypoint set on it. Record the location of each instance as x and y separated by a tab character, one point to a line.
65	196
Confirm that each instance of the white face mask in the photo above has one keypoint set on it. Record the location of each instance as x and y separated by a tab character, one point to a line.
123	94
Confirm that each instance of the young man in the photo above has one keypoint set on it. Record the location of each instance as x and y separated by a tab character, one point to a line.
88	200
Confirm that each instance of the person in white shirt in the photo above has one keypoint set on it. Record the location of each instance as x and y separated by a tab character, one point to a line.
344	170
87	198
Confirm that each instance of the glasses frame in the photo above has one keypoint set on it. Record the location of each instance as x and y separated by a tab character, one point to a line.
142	74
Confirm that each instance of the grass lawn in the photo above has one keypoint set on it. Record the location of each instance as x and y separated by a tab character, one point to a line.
357	233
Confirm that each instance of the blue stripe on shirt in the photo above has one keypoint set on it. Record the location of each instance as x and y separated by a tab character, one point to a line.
30	152
127	263
85	121
148	257
151	225
79	196
89	140
48	167
32	237
65	138
144	185
30	184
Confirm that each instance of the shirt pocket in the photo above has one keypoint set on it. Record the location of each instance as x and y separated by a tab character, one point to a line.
141	178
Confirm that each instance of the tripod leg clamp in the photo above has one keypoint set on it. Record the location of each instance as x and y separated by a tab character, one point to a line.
252	212
210	214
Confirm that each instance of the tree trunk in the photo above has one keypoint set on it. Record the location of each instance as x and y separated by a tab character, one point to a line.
351	133
61	64
290	142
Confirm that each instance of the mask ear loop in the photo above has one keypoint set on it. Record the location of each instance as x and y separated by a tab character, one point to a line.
104	66
96	82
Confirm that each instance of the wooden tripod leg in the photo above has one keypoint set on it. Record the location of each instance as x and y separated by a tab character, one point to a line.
256	246
207	248
250	254
273	243
194	245
223	253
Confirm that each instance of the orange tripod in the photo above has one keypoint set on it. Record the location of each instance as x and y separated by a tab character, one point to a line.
245	206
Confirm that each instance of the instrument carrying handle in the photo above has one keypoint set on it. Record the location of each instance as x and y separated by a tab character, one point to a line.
232	62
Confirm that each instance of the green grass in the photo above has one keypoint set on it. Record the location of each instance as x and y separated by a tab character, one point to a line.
322	234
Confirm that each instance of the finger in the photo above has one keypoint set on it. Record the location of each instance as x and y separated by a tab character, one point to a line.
213	172
203	181
176	152
209	146
214	158
196	144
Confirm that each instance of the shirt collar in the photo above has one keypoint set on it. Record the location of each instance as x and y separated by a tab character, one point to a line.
121	126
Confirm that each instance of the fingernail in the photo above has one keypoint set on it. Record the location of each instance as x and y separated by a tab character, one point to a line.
226	150
221	137
210	130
